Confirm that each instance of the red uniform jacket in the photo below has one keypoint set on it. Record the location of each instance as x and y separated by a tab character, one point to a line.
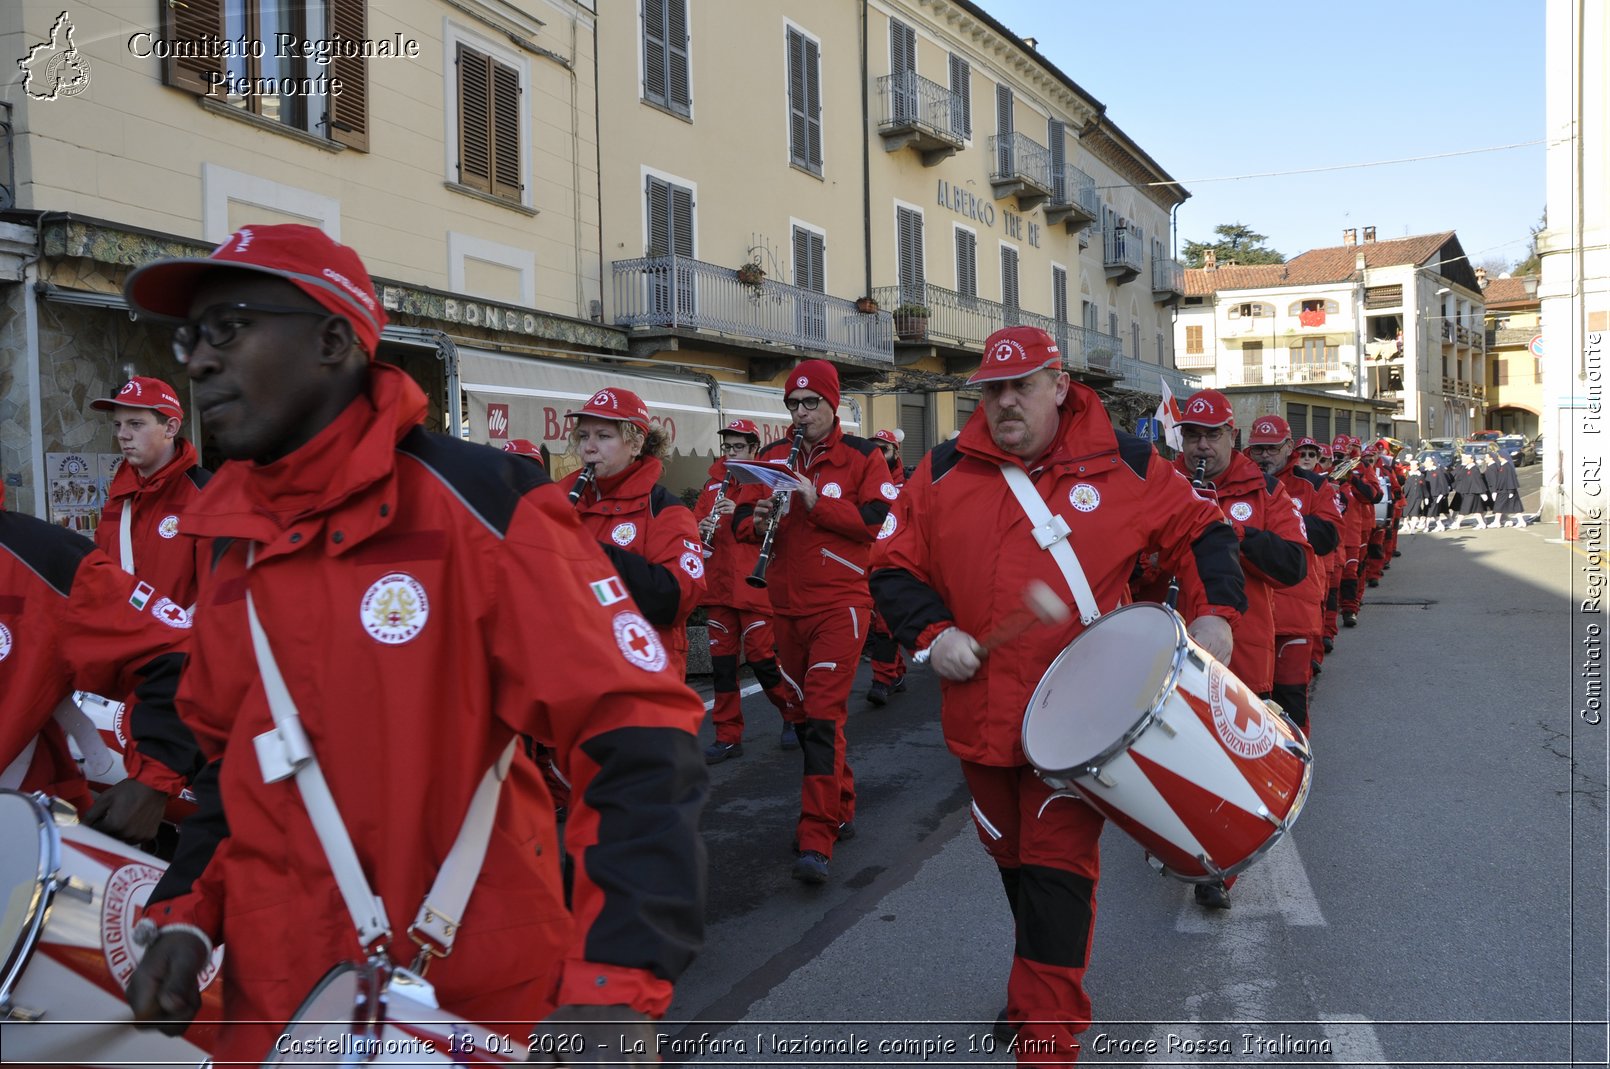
427	600
820	555
71	620
731	561
1299	610
1361	492
653	541
164	557
1274	553
963	552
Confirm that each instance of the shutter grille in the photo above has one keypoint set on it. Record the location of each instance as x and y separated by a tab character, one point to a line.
914	421
655	66
195	20
967	263
680	91
349	110
1003	130
1056	137
1009	281
909	236
475	123
505	131
961	104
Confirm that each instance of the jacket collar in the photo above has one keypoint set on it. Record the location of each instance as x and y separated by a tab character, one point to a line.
1241	477
628	486
812	454
1083	431
128	482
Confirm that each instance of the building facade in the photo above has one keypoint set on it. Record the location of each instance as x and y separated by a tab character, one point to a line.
1514	370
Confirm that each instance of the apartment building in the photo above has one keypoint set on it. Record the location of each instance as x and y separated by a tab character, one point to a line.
1370	338
1514	329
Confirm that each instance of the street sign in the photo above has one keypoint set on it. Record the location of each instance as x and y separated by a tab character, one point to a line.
1146	427
1536	345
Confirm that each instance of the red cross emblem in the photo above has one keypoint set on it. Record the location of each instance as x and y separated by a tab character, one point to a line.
638	641
1246	719
173	613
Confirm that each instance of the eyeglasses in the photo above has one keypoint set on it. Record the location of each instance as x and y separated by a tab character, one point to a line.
807	403
1196	432
1264	450
1305	454
735	447
218	325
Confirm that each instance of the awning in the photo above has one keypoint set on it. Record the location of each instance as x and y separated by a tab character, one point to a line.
764	405
516	397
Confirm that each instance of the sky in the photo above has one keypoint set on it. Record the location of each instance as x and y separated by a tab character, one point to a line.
1251	86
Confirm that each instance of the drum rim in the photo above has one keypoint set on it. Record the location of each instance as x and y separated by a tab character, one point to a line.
1124	741
368	1011
46	882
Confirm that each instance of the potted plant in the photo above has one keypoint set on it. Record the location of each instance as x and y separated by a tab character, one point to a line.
866	306
911	321
751	274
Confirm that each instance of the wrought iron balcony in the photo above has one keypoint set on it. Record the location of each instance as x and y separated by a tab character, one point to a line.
1074	201
921	115
1168	280
1316	373
1022	170
1096	350
1123	253
1143	377
957	320
678	292
1506	336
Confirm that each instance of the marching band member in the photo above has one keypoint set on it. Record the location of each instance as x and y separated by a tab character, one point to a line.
1361	492
1316	457
431	601
739	614
888	663
962	546
817	581
647	532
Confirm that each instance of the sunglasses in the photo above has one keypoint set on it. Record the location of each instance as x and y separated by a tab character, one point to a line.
218	325
807	403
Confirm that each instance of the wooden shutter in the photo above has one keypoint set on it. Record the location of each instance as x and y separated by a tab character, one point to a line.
797	135
659	217
809	260
505	131
474	119
1009	277
902	63
961	102
194	20
1500	372
1056	137
908	231
679	85
1003	130
1193	340
966	263
656	67
813	105
1059	294
349	110
682	221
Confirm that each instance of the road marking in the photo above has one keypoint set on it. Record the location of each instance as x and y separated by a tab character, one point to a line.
1275	886
1353	1040
753	688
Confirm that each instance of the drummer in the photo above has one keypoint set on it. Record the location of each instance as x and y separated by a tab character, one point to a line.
947	577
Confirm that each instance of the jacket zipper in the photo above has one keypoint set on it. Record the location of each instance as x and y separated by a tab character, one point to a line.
841	560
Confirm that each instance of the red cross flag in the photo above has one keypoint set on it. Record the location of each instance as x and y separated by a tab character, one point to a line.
1168	417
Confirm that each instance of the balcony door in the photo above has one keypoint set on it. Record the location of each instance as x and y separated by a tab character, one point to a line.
903	66
810	260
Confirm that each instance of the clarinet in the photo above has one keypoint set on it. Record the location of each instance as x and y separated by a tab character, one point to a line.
1198	482
588	477
721	495
778	500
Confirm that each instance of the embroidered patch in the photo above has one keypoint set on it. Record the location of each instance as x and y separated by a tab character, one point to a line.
1240	719
171	613
638	643
1241	512
831	490
609	591
623	534
169	527
394	609
142	595
127	890
5	642
693	547
888	528
889	490
1084	497
693	564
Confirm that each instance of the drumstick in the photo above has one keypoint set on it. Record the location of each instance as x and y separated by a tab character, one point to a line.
1040	606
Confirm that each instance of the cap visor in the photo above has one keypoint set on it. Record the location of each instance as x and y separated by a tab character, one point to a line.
167	287
1001	375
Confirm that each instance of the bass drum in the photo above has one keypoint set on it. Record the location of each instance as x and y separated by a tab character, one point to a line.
1168	744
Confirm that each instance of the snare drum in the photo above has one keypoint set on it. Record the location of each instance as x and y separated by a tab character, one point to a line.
370	1013
71	897
1168	744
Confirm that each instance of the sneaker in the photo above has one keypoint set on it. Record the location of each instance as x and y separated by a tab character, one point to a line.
1212	896
789	739
846	831
718	752
1349	619
877	694
899	686
1330	647
1373	582
1316	666
810	867
1396	553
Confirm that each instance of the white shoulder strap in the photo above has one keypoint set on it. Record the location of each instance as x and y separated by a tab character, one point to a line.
125	543
1051	534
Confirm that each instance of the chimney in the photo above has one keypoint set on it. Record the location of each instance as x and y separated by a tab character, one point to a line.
1350	237
1032	42
1369	234
1210	260
1481	278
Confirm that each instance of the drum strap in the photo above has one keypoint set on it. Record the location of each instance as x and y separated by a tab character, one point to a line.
125	543
1051	534
286	751
11	776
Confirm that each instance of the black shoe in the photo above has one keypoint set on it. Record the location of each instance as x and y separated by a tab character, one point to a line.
1212	896
789	740
1349	619
718	752
1373	582
877	694
1396	553
899	686
1330	647
1316	667
1005	1031
846	831
810	867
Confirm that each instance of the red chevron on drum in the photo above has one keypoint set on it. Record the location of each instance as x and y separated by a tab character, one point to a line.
1278	775
1232	831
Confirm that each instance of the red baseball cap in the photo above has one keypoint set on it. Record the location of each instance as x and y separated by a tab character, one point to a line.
1269	430
1309	443
744	427
1208	408
892	437
614	403
1339	443
305	256
142	392
524	447
816	375
1015	353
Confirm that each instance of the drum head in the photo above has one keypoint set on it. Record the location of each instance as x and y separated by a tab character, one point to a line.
1100	688
330	1011
27	859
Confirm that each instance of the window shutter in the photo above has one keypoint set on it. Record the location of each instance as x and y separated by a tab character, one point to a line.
474	119
809	260
682	221
1056	137
961	105
1193	340
813	105
505	131
349	110
1003	130
902	61
914	421
679	84
195	20
659	217
909	236
797	134
656	77
1059	294
1009	277
967	263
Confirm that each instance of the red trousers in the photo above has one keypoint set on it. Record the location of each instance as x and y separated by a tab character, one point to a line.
1050	863
744	635
1375	555
888	663
1294	670
821	652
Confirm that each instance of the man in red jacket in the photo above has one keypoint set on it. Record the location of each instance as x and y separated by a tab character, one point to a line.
950	572
140	529
1274	552
888	663
818	587
1360	491
739	615
429	601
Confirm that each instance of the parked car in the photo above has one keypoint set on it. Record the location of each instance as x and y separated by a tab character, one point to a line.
1438	443
1476	449
1485	436
1532	454
1512	445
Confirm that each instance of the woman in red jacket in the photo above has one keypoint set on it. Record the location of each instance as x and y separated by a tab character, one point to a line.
648	534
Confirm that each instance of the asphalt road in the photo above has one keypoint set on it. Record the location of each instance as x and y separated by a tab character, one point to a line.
1442	900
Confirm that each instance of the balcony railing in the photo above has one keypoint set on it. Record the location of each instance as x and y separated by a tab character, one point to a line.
921	114
1512	336
683	293
1323	372
1074	200
1143	377
1022	169
1168	279
1122	253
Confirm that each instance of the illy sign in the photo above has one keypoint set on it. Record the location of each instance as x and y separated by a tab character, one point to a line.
497	421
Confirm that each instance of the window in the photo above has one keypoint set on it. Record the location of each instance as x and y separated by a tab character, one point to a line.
1297	420
804	102
1003	130
1252	363
1009	294
1056	138
1088	315
966	262
241	81
902	65
1500	372
1312	356
665	56
1059	293
810	258
908	245
1252	310
1134	340
488	125
961	100
1193	341
1112	323
670	233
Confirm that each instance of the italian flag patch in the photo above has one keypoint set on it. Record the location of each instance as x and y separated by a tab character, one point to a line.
609	591
142	594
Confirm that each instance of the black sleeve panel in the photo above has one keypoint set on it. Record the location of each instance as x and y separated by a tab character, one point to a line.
1218	563
1283	563
1322	534
198	476
199	837
50	552
649	860
653	586
907	604
488	481
1136	452
873	513
162	736
1365	489
660	499
942	458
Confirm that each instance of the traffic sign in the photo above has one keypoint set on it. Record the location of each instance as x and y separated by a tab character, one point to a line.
1146	427
1536	345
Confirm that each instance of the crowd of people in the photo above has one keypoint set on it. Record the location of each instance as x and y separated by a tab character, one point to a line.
507	652
1484	489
